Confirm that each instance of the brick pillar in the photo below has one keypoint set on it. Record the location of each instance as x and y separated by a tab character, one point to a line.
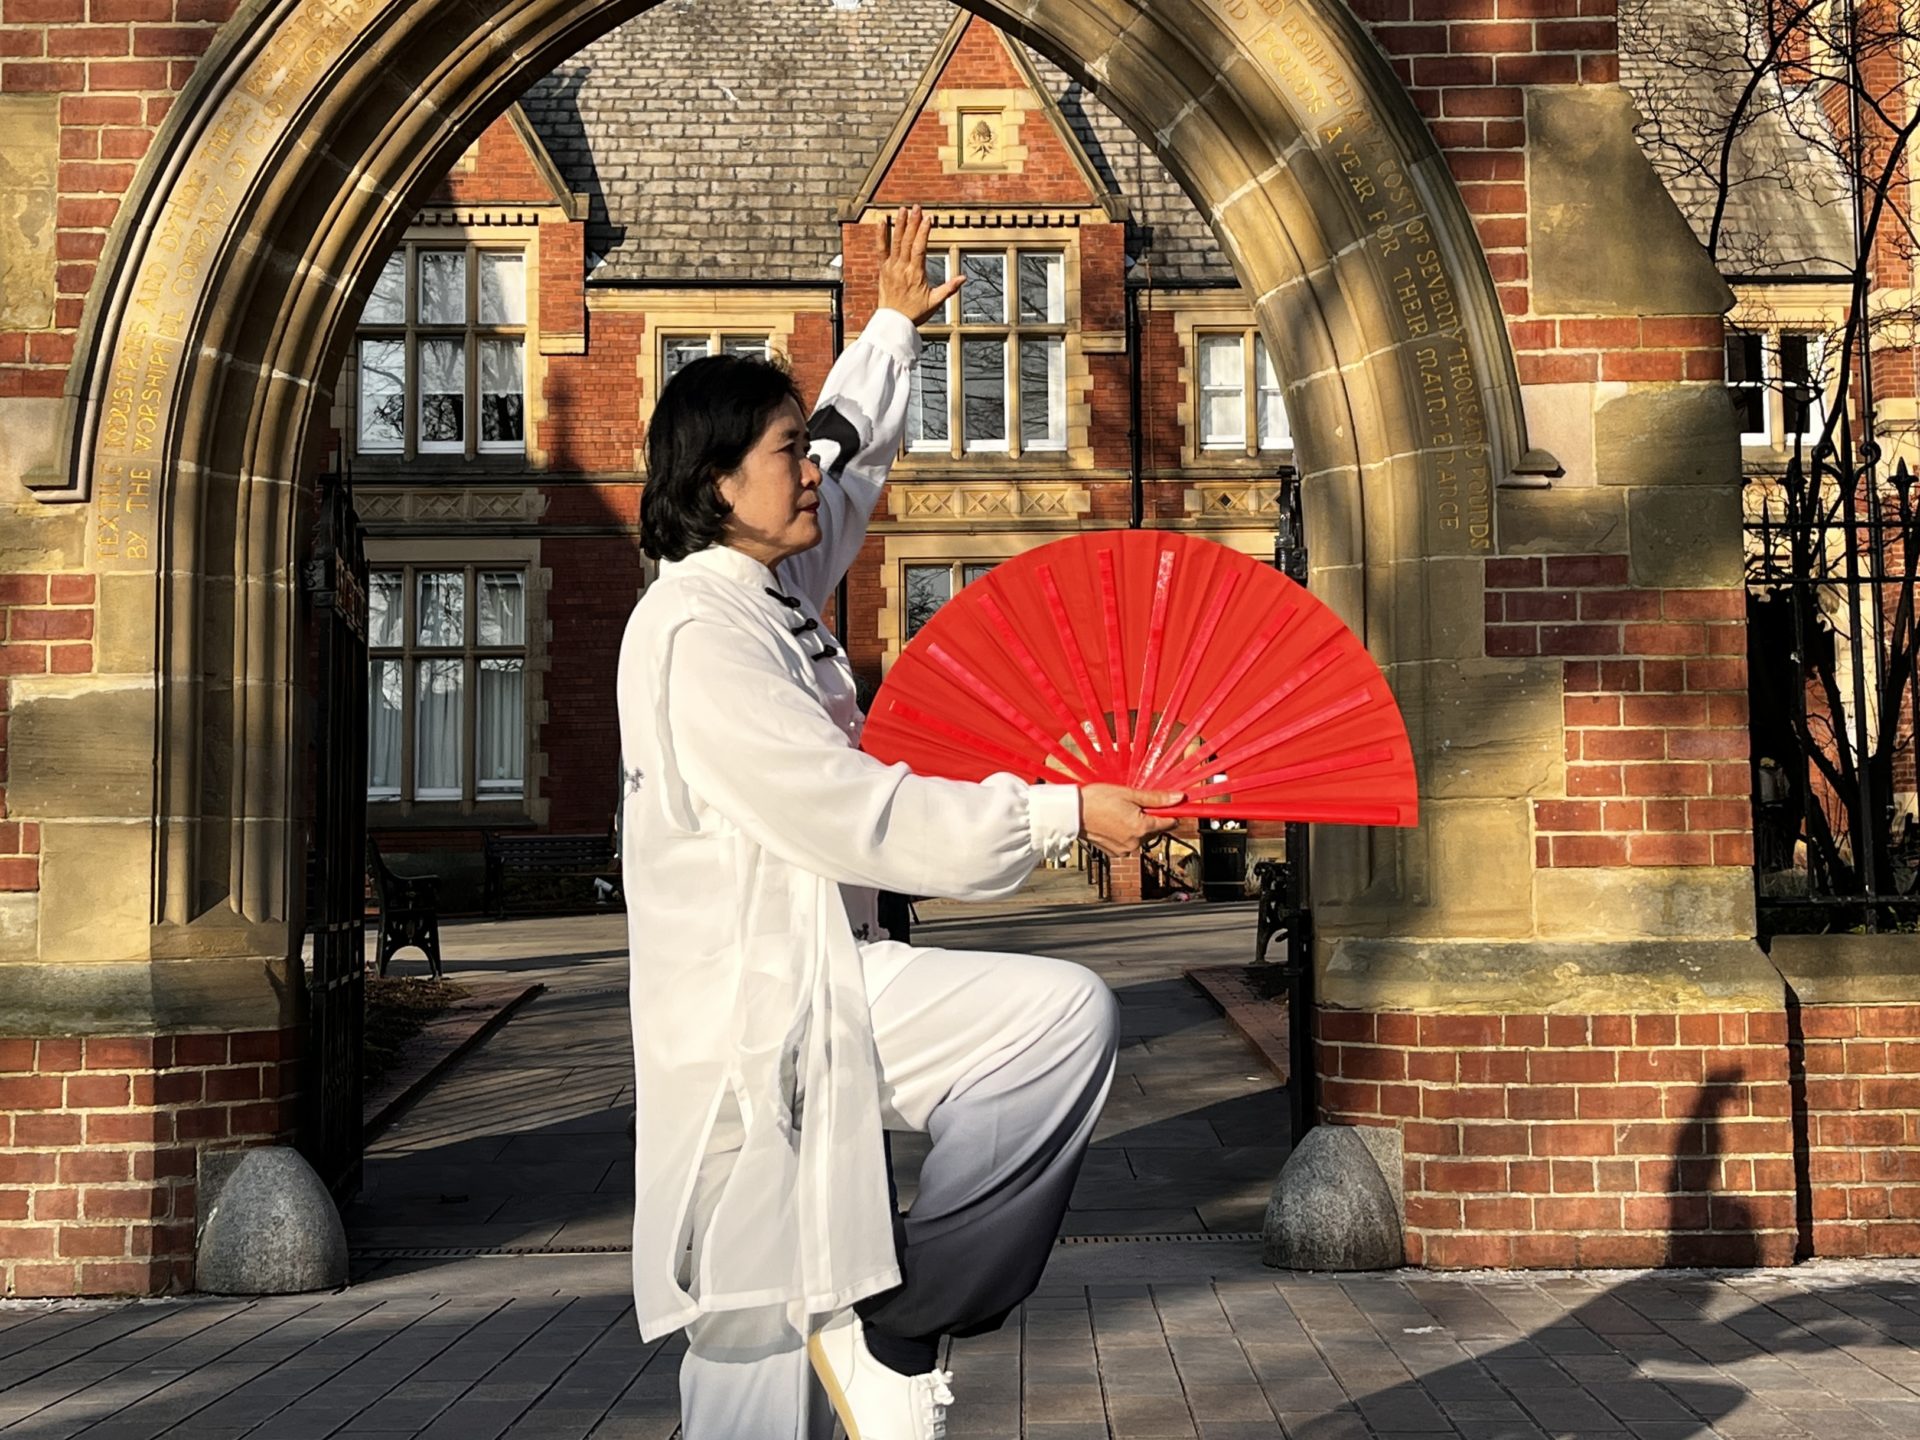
1128	882
100	1143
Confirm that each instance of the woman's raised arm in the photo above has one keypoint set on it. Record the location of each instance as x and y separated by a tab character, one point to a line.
861	415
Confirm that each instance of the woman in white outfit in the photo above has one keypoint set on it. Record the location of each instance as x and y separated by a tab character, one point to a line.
776	1035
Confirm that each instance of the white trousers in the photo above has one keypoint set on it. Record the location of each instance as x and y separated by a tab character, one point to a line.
1003	1061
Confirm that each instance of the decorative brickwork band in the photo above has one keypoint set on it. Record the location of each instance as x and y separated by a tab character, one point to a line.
99	1151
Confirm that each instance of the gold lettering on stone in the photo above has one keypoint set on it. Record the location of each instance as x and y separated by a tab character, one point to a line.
174	274
1335	118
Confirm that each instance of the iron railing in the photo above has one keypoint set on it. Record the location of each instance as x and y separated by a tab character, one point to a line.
336	592
1831	556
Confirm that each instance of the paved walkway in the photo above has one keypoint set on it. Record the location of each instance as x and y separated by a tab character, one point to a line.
491	1295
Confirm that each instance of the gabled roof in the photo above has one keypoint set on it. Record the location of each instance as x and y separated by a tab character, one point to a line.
514	168
716	141
969	28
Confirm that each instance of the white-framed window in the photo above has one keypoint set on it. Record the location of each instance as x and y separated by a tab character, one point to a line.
1238	398
440	353
1778	381
992	377
447	691
680	349
927	585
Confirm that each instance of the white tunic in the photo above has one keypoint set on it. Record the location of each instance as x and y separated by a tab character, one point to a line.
755	833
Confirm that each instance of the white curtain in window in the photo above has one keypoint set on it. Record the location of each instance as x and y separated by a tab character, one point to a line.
436	729
1223	391
503	288
1276	433
502	612
440	617
385	623
502	727
383	729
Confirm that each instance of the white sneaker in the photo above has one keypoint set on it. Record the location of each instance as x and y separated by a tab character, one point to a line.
872	1401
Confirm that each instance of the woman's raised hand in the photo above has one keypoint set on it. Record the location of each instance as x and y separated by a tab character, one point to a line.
1115	817
903	268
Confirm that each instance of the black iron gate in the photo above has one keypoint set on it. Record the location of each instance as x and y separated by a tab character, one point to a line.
1285	888
336	593
1832	546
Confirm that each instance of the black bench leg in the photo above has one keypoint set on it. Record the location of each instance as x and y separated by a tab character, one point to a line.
430	943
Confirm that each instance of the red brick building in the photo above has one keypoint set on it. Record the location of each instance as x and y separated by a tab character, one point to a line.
1101	356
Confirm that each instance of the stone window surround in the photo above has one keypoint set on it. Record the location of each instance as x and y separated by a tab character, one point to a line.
504	227
671	311
1195	314
406	813
1012	230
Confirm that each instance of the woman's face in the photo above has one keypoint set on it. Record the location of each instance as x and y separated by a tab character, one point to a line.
775	494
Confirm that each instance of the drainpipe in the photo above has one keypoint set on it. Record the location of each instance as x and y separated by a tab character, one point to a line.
1135	441
839	344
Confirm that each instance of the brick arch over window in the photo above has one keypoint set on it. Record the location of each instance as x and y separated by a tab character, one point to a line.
310	130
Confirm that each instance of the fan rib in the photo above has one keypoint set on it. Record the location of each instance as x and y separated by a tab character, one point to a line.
1353	759
1000	706
1269	634
1076	661
1156	642
1028	663
1260	745
1183	680
982	747
1315	662
1116	661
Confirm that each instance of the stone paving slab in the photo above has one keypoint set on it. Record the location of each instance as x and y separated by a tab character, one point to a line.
1176	1331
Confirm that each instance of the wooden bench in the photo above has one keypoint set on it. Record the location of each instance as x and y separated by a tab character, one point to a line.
553	857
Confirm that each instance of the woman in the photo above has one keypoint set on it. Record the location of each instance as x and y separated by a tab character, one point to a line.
775	1035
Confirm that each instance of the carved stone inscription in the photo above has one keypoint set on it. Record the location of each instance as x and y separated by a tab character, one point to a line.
1337	120
173	271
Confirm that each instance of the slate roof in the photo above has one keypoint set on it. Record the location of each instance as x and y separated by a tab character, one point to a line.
1787	211
717	140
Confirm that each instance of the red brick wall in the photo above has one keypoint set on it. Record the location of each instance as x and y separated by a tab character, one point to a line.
1655	711
116	64
99	1143
1048	176
1862	1069
1575	1140
594	585
501	171
46	628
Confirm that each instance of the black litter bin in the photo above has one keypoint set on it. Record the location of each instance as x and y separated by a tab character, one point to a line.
1223	864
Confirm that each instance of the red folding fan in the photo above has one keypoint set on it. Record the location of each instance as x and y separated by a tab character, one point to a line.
1155	660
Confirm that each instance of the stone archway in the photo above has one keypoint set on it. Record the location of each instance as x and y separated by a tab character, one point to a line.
290	161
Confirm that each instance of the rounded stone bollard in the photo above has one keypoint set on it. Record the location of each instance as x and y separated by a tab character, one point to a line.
271	1227
1332	1208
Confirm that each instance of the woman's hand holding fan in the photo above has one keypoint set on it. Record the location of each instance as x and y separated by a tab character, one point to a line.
1153	661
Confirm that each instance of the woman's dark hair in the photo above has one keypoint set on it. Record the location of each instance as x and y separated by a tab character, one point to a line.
709	416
